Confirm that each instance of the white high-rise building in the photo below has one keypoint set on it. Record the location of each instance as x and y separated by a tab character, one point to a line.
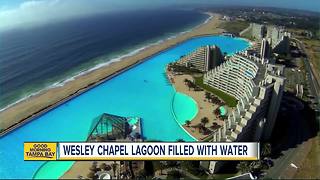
204	58
258	86
258	31
265	50
278	38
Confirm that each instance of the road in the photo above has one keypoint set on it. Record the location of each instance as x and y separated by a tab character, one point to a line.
314	86
297	127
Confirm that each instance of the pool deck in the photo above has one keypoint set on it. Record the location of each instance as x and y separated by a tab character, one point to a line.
205	108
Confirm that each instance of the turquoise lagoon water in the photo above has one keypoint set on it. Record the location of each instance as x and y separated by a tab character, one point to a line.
184	111
142	91
223	111
133	121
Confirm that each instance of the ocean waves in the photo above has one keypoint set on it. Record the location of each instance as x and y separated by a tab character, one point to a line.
96	62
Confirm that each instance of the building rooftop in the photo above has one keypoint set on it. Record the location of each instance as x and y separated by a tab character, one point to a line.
260	74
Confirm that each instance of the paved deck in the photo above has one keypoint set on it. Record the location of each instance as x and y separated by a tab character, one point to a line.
205	108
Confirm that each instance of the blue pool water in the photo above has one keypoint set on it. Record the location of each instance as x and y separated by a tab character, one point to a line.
142	91
184	111
223	111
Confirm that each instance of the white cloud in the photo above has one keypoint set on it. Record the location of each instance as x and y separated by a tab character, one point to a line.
38	12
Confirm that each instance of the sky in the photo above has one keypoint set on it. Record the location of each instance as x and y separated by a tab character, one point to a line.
16	13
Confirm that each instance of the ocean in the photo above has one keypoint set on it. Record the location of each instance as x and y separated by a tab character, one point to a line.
46	56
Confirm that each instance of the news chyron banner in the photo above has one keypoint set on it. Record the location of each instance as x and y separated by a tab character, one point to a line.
141	151
40	151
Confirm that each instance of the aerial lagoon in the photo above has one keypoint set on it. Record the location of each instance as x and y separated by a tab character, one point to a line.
142	91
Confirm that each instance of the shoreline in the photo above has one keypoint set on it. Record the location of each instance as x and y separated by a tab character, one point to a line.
205	108
117	58
34	106
175	117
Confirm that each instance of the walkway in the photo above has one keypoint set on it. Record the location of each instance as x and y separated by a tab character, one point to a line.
205	108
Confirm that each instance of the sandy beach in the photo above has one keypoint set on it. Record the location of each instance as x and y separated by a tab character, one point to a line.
205	108
26	110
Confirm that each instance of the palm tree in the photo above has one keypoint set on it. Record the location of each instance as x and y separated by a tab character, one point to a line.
214	125
217	111
189	85
193	86
208	95
204	121
103	166
186	81
188	122
108	168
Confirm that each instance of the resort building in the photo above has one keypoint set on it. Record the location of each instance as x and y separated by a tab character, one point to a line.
204	58
265	50
258	86
275	33
258	30
279	38
283	45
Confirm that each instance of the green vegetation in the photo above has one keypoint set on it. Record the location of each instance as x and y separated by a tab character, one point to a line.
229	100
234	27
188	122
183	69
204	120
